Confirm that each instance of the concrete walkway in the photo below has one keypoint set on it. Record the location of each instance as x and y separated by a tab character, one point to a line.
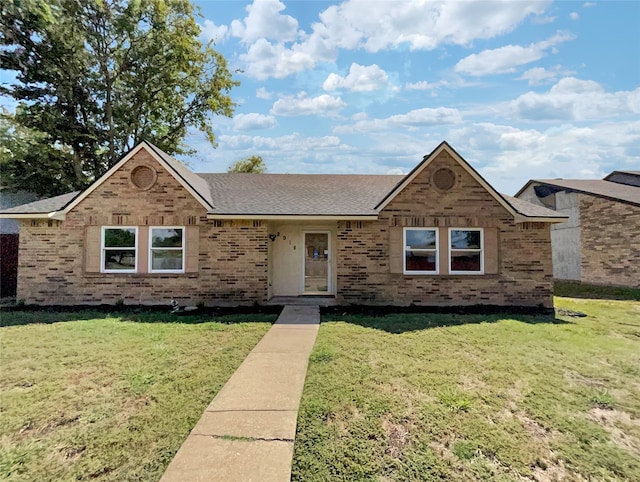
247	431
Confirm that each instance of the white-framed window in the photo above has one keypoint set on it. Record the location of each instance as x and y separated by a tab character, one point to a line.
119	249
166	249
466	251
420	250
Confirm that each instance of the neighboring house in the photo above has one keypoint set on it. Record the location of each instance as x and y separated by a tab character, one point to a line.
9	241
150	230
600	243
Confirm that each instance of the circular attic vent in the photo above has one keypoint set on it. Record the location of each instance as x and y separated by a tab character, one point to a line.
444	179
143	177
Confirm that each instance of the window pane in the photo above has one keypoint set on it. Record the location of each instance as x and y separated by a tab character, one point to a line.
463	239
166	238
162	259
421	238
420	261
465	261
120	238
120	259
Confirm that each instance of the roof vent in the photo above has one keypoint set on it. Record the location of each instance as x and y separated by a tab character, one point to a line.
143	177
444	179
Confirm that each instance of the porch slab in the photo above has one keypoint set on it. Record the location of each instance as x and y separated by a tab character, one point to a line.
302	301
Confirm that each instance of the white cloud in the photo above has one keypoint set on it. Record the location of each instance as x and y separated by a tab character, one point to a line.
262	93
265	21
264	60
302	105
244	122
269	34
374	26
543	19
578	100
505	59
360	79
511	156
211	31
411	120
589	4
540	75
574	16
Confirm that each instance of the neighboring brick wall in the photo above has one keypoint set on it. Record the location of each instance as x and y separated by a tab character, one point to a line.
524	264
610	242
233	254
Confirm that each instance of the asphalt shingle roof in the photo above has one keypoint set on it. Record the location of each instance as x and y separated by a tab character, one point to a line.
282	194
43	205
531	210
298	194
598	187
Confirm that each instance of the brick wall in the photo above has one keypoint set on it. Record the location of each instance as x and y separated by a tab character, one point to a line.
610	242
52	265
524	271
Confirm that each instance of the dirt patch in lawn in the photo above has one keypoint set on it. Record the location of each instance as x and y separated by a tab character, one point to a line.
610	420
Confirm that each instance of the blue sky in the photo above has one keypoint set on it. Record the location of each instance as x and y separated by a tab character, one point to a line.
521	89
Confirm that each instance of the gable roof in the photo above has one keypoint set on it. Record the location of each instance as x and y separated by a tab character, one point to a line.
521	211
286	196
190	181
595	187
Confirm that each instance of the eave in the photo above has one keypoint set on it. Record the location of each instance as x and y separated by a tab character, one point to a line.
296	217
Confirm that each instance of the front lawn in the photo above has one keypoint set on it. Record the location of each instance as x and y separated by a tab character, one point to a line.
474	397
89	396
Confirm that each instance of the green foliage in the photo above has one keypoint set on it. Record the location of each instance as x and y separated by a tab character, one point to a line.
602	399
253	164
464	449
95	77
455	401
573	289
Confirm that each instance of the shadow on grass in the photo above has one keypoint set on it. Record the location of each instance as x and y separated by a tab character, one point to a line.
416	320
28	315
575	289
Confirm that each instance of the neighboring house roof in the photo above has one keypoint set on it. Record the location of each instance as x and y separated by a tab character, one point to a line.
594	187
631	178
286	195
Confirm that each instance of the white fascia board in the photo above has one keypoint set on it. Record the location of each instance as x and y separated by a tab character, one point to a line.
294	217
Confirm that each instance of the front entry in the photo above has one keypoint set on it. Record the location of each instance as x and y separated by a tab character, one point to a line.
316	264
301	259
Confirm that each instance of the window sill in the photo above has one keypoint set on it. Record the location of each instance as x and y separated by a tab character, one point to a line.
141	275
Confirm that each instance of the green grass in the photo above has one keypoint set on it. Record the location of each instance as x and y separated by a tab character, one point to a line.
571	289
90	396
474	397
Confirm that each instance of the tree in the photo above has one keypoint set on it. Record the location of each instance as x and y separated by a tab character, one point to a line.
253	164
95	77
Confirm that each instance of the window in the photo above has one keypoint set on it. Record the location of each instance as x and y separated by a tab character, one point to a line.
119	249
421	250
466	251
166	249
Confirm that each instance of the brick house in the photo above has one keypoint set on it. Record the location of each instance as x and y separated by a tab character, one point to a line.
150	230
600	243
